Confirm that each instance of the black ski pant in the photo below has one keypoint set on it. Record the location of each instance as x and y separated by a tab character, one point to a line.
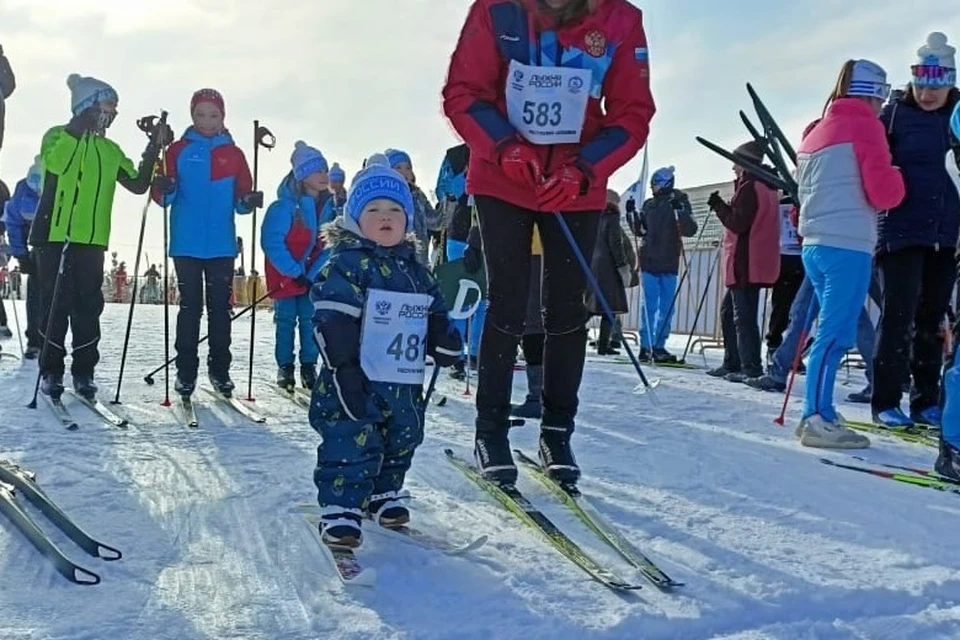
741	330
207	280
532	347
507	232
917	284
3	312
78	305
34	312
781	298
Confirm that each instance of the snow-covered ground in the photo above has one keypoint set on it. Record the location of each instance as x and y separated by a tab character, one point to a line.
770	542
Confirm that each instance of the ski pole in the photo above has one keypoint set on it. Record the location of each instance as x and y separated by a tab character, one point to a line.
16	322
149	377
146	125
807	325
602	299
700	305
261	138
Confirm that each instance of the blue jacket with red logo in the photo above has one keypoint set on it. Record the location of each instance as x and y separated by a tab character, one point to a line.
290	240
211	175
609	42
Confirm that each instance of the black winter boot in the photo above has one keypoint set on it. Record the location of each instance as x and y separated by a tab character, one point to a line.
557	457
492	452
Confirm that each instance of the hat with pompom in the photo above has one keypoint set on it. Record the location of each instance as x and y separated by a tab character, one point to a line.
337	174
936	66
306	160
86	92
377	180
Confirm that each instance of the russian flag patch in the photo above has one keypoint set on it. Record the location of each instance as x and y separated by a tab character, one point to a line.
640	54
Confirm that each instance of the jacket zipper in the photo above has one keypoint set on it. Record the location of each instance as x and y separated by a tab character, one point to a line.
96	198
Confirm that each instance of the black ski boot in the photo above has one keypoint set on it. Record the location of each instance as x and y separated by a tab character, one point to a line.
222	384
184	387
557	458
492	452
32	352
531	407
948	462
52	385
662	356
286	378
644	355
308	376
459	371
84	385
387	509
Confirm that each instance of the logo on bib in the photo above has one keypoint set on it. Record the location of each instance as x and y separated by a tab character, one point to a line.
596	43
383	307
414	311
575	84
546	81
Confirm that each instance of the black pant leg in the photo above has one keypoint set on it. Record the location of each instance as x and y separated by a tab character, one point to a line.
746	306
938	278
782	296
728	328
54	314
218	278
190	288
507	233
86	306
901	274
566	314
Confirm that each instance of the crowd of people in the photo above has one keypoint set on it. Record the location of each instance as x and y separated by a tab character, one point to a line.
547	112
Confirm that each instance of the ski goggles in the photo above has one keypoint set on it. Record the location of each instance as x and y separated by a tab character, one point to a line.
869	89
931	75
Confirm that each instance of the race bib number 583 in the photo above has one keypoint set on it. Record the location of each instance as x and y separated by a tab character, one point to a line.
547	105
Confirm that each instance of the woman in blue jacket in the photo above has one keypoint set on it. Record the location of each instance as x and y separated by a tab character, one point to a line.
917	241
205	182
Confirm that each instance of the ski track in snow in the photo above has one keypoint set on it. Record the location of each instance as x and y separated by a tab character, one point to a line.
771	543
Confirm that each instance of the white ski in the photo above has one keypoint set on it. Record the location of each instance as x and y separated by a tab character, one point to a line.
100	409
345	562
60	411
238	405
185	411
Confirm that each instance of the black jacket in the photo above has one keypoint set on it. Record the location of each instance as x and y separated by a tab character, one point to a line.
8	83
661	222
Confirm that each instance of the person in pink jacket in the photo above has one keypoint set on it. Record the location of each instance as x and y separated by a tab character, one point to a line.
845	177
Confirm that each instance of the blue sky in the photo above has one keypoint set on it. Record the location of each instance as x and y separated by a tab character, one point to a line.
356	77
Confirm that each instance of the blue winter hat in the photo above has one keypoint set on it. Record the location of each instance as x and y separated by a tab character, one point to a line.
306	160
868	80
337	174
662	177
396	156
35	174
378	181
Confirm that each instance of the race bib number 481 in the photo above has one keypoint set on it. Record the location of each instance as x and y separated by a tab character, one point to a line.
393	342
547	105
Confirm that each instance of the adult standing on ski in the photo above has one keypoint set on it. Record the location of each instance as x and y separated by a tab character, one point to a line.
81	170
662	223
205	182
751	261
552	97
917	240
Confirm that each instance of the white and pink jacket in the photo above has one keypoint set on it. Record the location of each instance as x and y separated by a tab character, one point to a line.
845	177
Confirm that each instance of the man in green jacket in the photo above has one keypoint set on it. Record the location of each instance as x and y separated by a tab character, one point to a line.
81	170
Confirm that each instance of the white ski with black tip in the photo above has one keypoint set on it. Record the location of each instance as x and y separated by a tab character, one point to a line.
60	411
238	405
102	411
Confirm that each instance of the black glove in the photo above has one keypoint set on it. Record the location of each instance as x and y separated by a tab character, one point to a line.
356	400
676	204
303	281
254	199
715	201
631	205
443	342
162	135
27	265
164	184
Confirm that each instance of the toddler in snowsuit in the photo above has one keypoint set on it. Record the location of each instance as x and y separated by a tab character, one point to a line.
290	242
378	313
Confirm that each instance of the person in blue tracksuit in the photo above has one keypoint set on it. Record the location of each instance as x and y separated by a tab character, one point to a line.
368	403
662	223
290	242
206	181
18	216
332	205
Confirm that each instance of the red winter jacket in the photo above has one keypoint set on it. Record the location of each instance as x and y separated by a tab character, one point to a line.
610	42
